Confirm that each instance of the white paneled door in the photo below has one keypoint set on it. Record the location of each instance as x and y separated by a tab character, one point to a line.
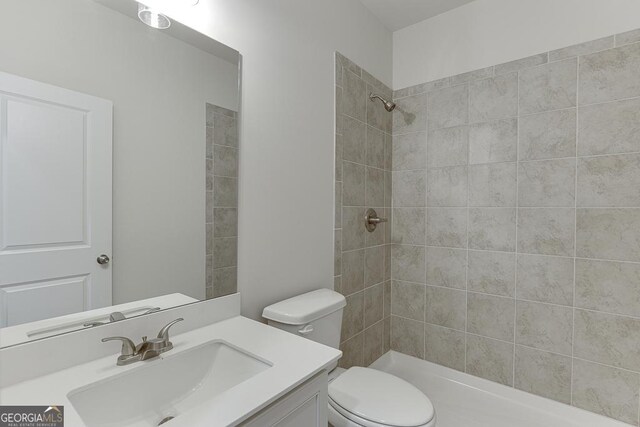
55	201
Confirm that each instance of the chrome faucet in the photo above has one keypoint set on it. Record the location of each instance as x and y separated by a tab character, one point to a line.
147	349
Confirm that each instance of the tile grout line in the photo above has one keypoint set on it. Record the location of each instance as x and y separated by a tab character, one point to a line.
575	231
466	270
515	273
424	236
366	191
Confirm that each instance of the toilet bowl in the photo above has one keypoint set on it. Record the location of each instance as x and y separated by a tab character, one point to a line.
365	397
358	397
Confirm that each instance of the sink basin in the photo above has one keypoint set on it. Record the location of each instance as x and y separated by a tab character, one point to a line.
159	390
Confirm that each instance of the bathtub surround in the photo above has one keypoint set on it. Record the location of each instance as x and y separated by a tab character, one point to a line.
516	250
222	201
362	180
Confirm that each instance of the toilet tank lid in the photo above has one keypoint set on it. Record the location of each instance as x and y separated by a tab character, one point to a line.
305	308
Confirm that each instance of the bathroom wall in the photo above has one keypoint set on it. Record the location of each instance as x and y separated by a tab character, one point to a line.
221	201
488	32
516	226
285	244
362	259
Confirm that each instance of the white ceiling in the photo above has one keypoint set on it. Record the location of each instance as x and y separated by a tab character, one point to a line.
397	14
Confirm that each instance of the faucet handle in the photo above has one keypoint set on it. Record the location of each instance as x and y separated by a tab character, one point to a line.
164	332
128	347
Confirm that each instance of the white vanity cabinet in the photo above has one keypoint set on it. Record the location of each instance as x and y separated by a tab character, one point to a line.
306	406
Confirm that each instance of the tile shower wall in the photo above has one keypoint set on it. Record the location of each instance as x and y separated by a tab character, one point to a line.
363	180
221	201
516	224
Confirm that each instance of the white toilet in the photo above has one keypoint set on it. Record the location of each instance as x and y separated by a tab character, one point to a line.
358	397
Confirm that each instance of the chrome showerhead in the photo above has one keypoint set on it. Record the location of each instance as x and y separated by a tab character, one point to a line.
388	105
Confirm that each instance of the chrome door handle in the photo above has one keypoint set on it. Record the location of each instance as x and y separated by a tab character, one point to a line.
103	259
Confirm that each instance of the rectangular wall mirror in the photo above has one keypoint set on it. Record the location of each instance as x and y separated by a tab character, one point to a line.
118	165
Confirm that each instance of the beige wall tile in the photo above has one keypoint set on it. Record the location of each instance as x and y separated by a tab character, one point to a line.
375	147
408	300
448	147
447	186
353	184
445	307
225	161
607	181
544	326
353	316
447	227
373	343
409	151
490	316
490	359
608	234
606	338
610	75
444	346
492	185
492	142
492	229
547	183
225	192
545	374
353	231
408	226
408	263
607	391
373	304
354	96
608	286
374	182
609	128
409	188
493	98
492	272
447	267
547	231
548	135
352	352
407	336
448	107
548	87
374	265
225	222
545	279
354	140
352	271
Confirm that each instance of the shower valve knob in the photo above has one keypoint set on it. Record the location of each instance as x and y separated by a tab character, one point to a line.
371	220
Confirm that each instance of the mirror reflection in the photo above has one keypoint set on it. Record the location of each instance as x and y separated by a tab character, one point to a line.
118	165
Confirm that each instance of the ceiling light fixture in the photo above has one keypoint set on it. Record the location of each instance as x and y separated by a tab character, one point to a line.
153	18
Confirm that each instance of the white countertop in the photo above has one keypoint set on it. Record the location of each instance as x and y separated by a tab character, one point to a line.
25	332
294	360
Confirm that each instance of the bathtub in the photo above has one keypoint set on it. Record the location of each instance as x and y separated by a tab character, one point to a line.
462	400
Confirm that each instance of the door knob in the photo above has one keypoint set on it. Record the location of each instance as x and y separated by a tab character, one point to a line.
103	259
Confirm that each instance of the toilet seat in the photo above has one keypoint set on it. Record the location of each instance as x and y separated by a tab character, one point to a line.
371	398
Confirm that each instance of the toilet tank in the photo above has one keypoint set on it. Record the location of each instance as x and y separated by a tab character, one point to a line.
316	315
